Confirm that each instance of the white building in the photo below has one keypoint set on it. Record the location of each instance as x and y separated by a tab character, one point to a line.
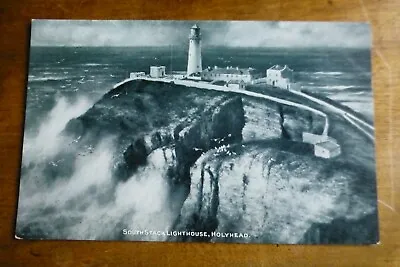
313	139
194	54
241	85
324	145
133	75
230	74
157	71
328	149
279	76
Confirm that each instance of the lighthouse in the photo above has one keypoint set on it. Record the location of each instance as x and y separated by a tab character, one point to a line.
194	54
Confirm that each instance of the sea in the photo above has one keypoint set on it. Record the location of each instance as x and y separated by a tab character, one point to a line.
341	74
64	82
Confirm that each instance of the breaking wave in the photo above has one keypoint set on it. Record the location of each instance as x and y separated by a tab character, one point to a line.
87	203
95	64
48	141
33	78
334	73
332	87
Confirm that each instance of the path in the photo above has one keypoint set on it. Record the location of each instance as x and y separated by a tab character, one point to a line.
208	86
363	126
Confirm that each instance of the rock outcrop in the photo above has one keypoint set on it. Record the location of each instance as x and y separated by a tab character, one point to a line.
272	193
189	159
238	158
218	126
145	116
344	231
266	119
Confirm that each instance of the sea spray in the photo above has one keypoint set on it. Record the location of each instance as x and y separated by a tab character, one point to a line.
48	141
90	205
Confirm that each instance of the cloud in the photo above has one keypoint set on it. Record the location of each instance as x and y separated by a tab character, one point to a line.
225	33
297	34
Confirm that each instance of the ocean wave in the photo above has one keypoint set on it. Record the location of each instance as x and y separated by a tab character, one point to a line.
356	91
338	87
32	78
142	202
94	64
48	140
328	73
329	87
362	92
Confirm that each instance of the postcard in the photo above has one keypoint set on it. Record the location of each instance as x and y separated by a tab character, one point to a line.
199	131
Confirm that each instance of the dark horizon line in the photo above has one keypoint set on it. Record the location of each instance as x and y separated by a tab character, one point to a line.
203	46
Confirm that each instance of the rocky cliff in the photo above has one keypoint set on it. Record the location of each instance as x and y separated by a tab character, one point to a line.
265	119
276	192
238	159
144	116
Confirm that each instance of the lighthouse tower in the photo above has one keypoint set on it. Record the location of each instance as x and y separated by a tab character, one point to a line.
194	55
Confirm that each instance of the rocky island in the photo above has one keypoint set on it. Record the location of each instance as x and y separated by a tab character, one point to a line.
229	163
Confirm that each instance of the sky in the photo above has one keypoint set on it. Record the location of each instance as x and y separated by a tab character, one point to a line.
219	33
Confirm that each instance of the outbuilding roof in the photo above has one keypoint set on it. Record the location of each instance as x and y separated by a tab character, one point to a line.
330	145
231	70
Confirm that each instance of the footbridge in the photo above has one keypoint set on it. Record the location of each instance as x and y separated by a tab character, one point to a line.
366	128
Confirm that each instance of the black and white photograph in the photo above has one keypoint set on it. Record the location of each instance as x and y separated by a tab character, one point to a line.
199	131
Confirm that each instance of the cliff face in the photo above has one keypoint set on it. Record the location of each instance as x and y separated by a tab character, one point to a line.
271	120
275	195
144	116
344	231
218	126
237	159
294	122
